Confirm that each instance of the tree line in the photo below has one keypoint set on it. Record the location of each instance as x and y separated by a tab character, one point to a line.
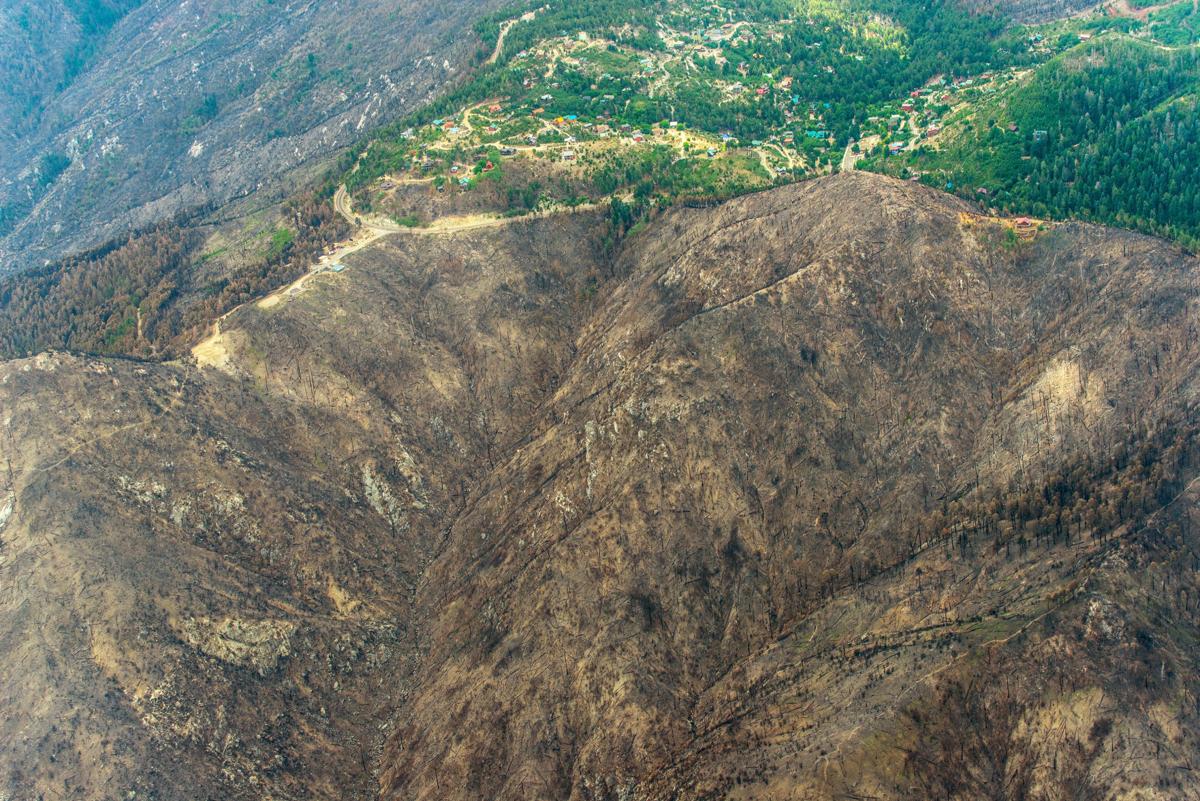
1107	132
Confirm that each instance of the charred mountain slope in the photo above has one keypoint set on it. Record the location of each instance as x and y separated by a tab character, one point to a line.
208	578
1033	10
186	106
835	491
46	45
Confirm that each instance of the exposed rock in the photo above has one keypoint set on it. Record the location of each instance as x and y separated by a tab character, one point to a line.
257	644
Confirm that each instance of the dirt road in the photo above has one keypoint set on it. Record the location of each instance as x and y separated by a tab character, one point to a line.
1123	8
504	29
471	222
378	226
850	158
213	350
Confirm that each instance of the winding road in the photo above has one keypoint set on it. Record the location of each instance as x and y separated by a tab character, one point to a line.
378	226
213	350
504	29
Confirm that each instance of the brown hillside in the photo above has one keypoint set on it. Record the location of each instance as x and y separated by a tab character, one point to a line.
835	491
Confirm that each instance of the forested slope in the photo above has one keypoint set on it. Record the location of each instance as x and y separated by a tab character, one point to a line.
1108	131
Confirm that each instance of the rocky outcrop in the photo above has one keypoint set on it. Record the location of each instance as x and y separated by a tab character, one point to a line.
257	644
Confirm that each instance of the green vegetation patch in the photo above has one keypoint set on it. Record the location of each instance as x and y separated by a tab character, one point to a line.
1177	25
281	240
1108	131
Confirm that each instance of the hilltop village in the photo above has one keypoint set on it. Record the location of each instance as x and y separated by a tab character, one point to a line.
699	102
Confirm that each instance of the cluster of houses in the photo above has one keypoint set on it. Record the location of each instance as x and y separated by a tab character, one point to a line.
803	126
916	111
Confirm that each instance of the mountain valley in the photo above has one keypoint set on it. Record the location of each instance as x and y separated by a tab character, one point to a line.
599	400
766	502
